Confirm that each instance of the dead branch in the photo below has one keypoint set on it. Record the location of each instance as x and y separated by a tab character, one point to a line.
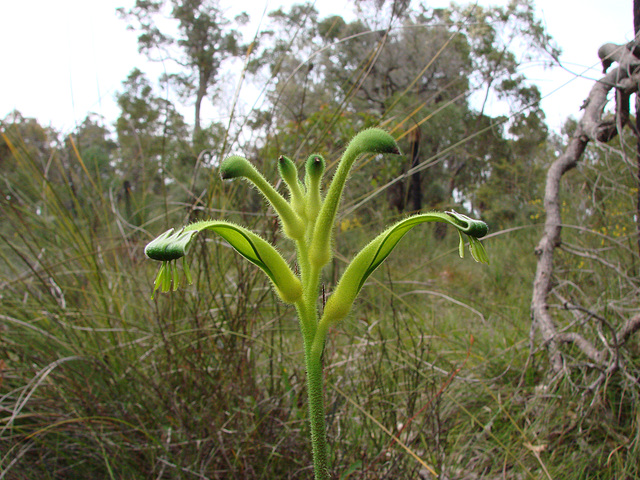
625	79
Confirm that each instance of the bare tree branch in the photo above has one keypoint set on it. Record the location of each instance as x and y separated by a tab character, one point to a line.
624	79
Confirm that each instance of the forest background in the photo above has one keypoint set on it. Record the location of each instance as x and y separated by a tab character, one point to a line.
480	372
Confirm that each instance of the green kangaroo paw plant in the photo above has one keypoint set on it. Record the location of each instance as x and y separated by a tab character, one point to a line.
308	220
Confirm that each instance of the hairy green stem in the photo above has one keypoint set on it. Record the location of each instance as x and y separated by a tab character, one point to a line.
309	320
315	396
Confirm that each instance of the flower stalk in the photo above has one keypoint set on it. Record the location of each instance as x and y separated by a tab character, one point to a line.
308	220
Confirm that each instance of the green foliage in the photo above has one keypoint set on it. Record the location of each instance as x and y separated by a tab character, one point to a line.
99	380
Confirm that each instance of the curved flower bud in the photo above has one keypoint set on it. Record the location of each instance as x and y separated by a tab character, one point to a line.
470	226
170	246
373	140
239	167
314	168
236	166
371	256
289	174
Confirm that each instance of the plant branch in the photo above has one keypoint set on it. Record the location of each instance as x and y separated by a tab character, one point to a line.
592	127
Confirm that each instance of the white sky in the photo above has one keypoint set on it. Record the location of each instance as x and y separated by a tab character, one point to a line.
64	59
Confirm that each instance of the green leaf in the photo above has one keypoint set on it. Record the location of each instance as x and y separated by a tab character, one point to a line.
352	468
371	256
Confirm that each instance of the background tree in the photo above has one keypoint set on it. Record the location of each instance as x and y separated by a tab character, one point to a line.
153	144
636	30
26	137
418	72
205	39
93	141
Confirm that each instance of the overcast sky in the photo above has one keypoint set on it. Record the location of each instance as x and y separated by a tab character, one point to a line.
64	59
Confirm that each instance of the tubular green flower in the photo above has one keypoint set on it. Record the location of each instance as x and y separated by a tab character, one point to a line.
239	167
370	257
314	168
289	174
372	140
170	246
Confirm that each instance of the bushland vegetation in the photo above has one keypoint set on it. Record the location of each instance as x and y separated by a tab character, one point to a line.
444	366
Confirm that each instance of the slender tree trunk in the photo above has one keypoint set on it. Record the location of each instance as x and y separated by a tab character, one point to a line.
196	121
200	94
636	29
415	188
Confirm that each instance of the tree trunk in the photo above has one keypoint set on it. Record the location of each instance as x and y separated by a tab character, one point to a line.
200	94
591	127
636	29
415	187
